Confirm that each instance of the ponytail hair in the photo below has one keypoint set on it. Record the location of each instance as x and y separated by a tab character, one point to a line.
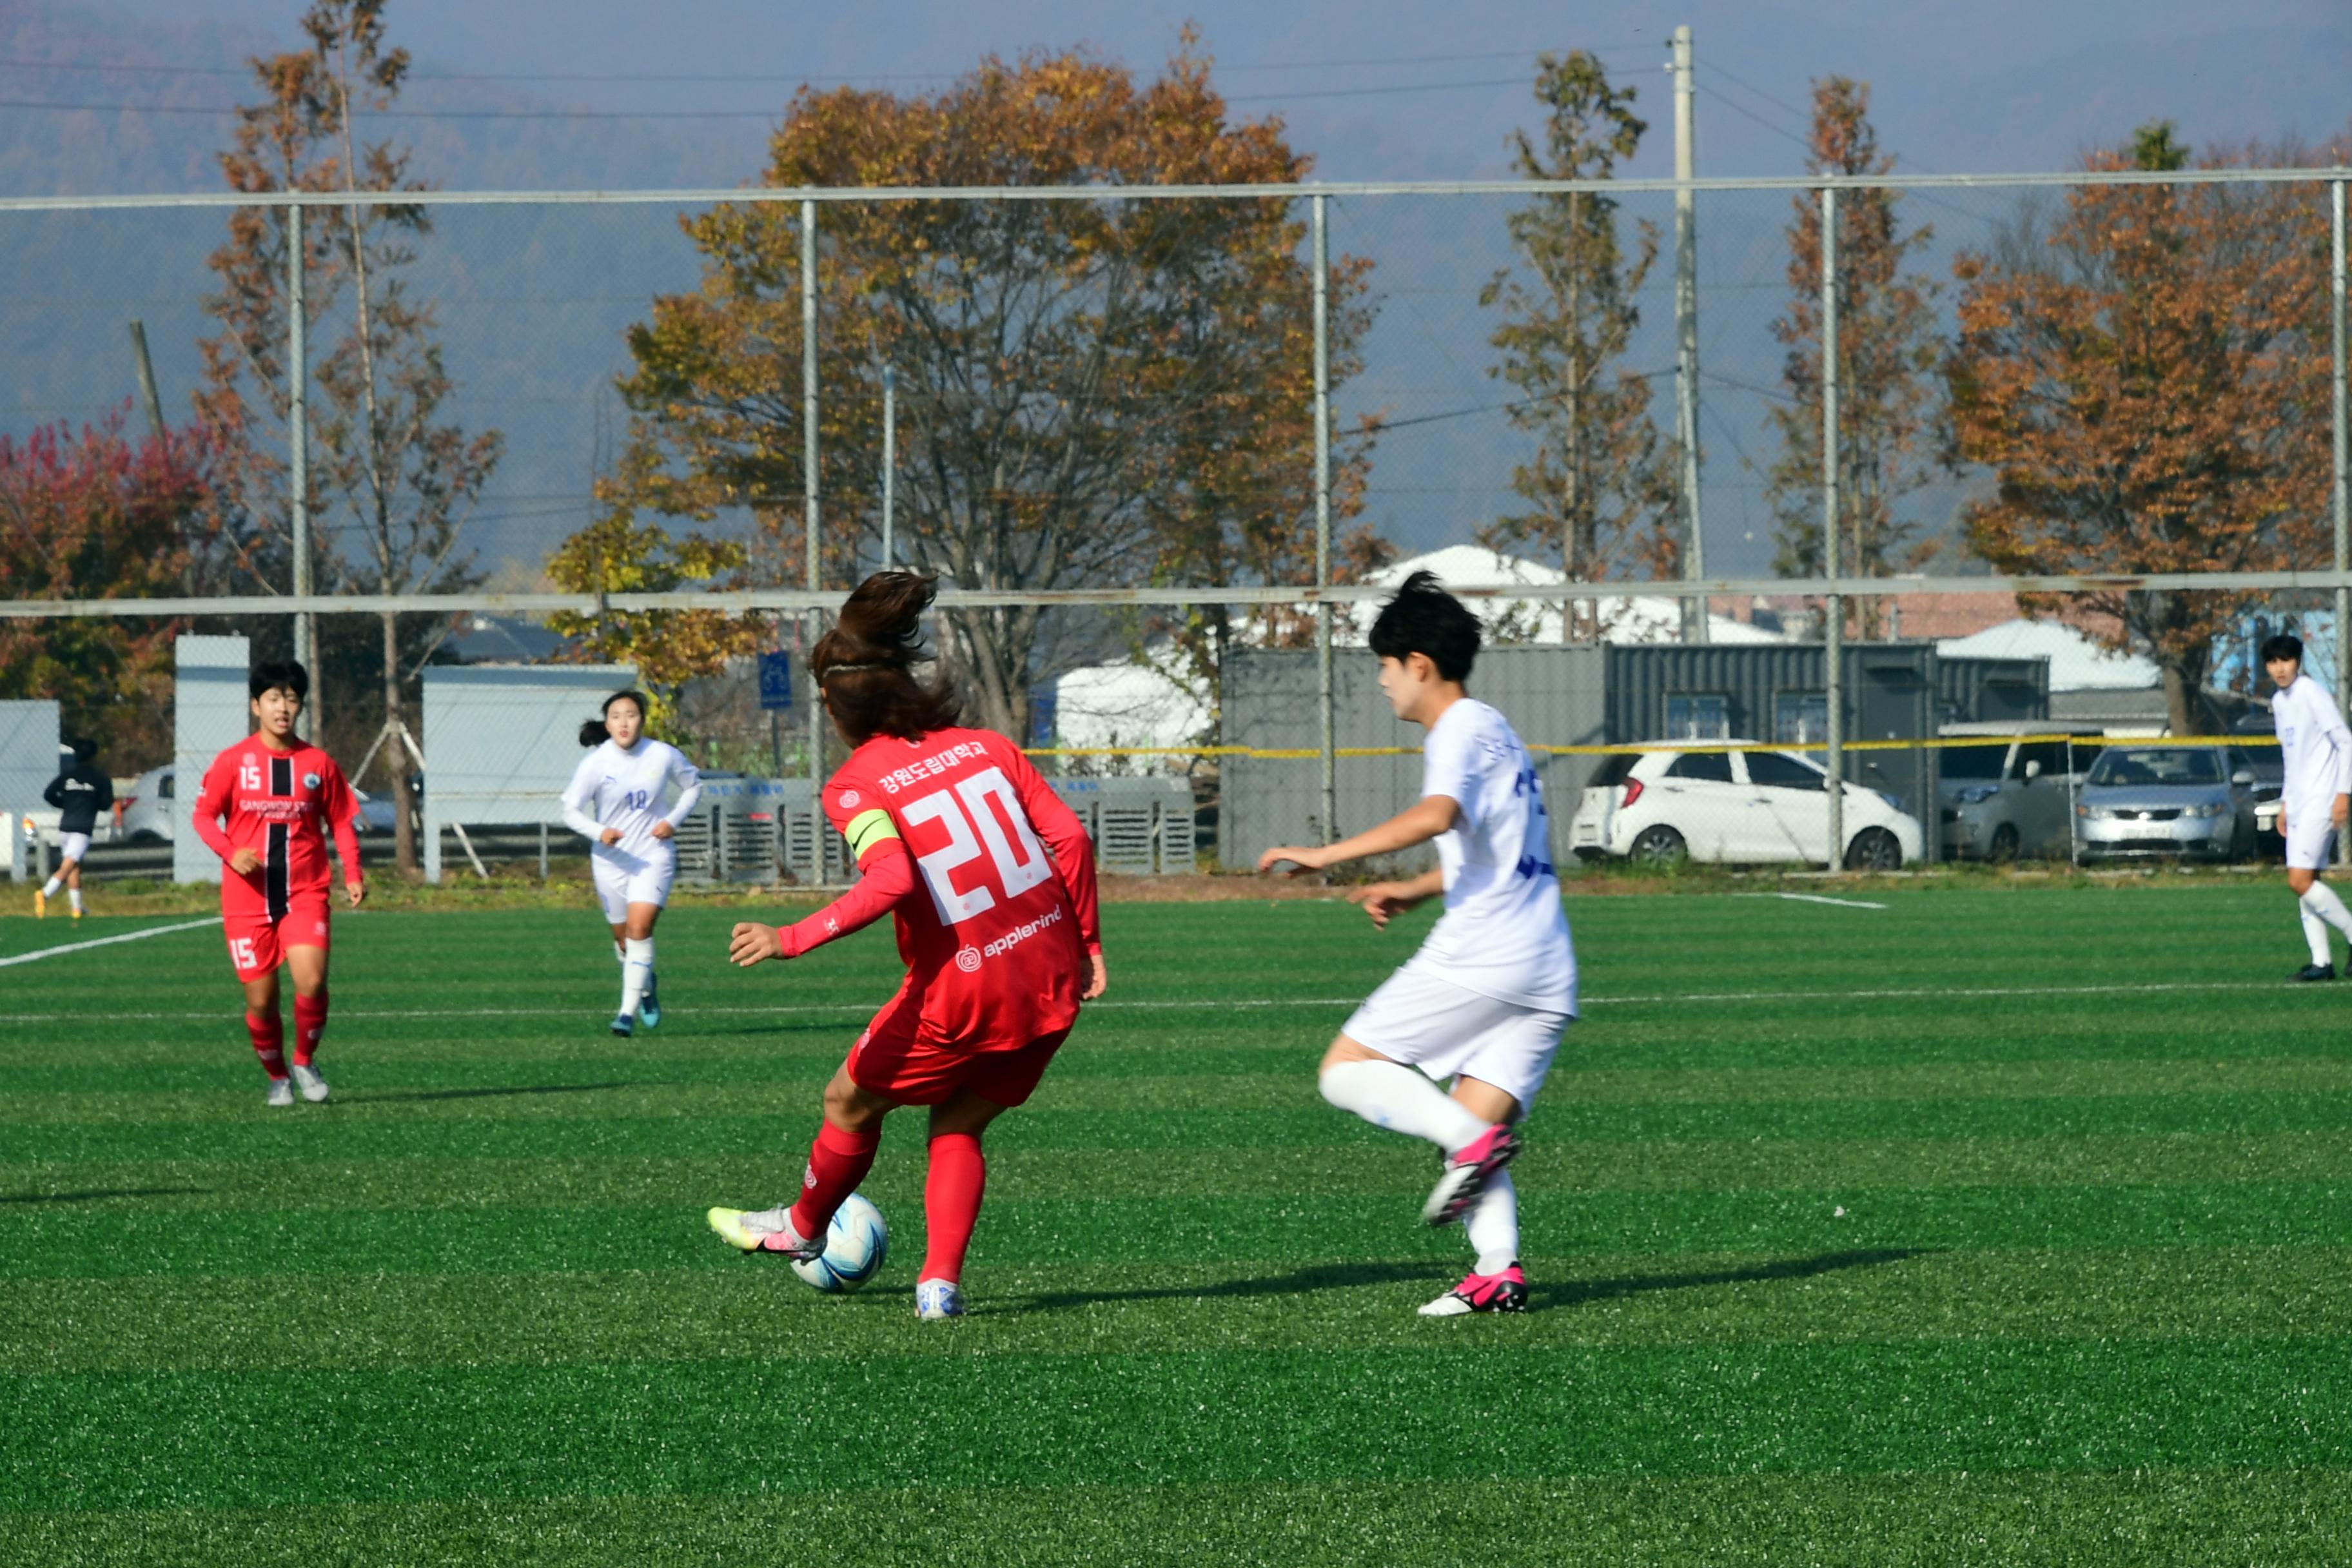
865	665
594	734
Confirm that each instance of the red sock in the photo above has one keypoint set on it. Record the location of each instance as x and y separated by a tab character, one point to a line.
838	1161
952	1203
310	1022
268	1040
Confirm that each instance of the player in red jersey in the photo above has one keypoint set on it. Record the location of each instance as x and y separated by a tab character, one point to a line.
992	880
262	809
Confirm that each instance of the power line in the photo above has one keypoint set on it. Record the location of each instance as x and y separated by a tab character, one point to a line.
219	109
696	113
1786	108
1740	108
712	76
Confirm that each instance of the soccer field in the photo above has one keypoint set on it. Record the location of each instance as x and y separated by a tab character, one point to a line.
1986	1226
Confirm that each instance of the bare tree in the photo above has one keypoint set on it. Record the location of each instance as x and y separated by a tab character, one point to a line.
388	474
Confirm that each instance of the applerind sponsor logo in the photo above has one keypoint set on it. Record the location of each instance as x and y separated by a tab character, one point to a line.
1016	937
968	959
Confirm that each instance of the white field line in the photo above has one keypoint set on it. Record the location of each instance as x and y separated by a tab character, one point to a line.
1815	898
855	1008
109	940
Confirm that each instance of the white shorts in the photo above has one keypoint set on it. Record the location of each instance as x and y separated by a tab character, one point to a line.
1447	1031
620	883
2311	848
72	846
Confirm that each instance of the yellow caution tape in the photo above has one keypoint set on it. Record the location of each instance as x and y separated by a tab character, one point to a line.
1300	754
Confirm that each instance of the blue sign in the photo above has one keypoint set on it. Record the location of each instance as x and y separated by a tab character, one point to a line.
775	681
1045	713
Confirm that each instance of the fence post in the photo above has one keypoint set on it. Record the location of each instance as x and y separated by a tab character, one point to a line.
811	622
1835	609
2342	498
1323	515
889	464
298	452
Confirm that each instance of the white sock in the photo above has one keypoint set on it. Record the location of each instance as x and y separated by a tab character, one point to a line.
73	897
620	952
49	888
2315	930
1391	1095
1493	1225
2321	901
635	974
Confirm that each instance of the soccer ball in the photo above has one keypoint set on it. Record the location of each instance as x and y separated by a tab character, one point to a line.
854	1247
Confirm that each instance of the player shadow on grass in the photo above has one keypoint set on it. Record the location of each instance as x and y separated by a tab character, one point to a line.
515	1089
95	1195
1570	1293
1576	1292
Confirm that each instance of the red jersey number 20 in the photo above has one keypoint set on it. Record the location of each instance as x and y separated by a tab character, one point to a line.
988	804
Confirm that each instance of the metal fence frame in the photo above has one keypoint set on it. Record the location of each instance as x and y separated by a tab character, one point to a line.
812	601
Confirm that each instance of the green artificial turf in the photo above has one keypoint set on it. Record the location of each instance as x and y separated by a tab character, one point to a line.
1993	1225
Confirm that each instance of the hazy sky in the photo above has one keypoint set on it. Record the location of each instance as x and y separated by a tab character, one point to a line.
1405	88
534	305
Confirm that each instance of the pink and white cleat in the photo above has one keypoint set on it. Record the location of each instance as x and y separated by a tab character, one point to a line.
1468	1172
1504	1292
765	1231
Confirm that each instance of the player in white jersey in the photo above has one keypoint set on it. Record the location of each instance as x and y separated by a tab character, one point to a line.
618	802
1484	1000
2316	750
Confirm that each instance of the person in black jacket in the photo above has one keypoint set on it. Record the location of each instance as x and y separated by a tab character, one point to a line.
79	794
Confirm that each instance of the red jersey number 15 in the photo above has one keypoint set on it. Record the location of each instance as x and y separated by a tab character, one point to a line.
1021	861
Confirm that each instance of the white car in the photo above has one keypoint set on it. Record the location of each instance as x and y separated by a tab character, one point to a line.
147	808
1741	808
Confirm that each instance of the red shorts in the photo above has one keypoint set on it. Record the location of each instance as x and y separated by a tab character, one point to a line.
257	944
899	1061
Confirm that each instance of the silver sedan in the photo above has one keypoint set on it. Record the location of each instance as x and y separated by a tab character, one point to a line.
2183	802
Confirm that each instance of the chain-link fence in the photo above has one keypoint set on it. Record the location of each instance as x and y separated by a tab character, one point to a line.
1160	449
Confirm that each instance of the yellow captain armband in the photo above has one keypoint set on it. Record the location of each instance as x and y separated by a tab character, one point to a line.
866	830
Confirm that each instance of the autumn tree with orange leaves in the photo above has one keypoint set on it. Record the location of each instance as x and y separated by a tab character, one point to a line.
1888	422
2148	381
1091	392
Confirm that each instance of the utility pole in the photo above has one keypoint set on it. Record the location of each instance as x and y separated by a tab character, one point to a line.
148	399
1687	333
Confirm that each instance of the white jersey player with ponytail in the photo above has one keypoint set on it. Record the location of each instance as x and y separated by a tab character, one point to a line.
2317	794
620	800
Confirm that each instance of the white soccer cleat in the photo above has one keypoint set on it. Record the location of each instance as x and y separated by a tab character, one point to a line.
1504	1292
313	1086
764	1230
282	1091
937	1299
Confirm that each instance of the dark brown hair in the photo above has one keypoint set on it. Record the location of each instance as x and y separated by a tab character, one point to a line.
594	734
865	665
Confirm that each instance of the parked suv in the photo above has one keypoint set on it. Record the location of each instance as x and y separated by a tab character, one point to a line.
1745	806
2010	797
